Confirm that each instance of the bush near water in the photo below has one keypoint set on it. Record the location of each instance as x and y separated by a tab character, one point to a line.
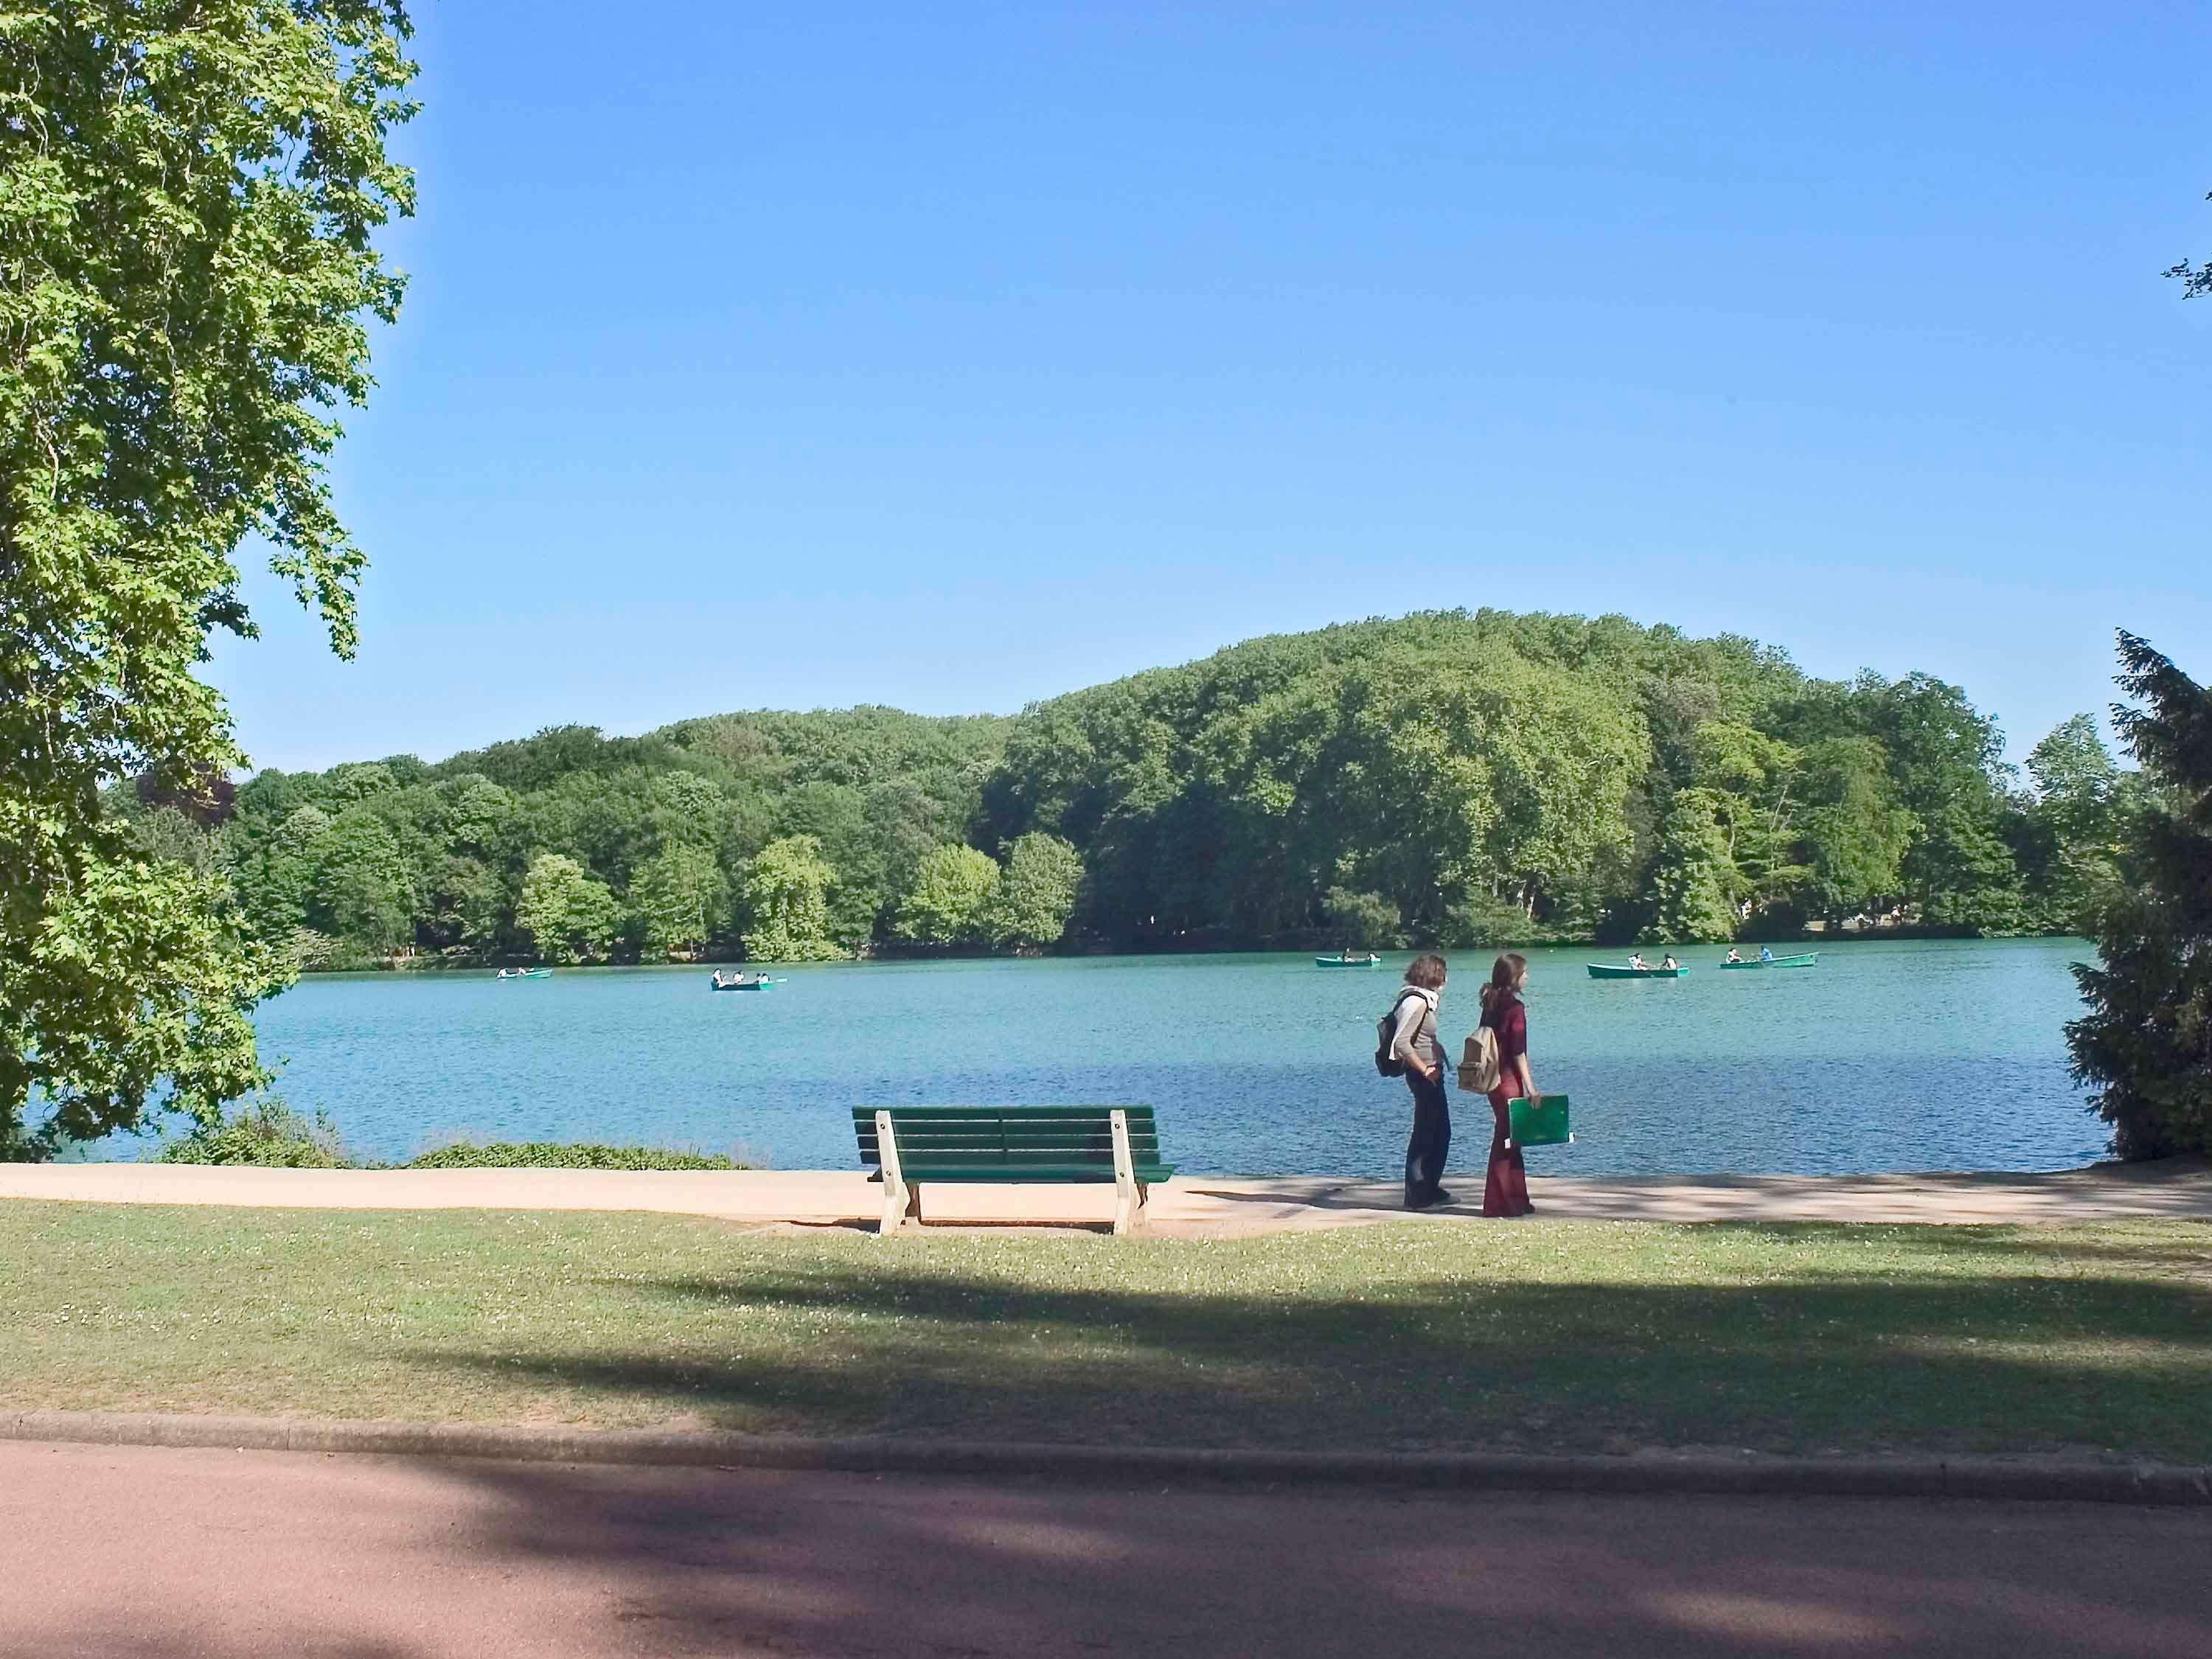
267	1134
1452	778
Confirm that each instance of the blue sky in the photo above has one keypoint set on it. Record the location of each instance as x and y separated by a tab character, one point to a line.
952	357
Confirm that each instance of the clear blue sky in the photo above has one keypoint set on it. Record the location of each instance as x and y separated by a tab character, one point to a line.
954	357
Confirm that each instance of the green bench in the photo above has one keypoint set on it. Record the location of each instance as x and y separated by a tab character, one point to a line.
1000	1145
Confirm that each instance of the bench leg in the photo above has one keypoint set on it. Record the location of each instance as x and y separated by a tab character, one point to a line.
1128	1191
900	1202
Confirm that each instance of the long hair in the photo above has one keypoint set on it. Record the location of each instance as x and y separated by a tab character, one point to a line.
1505	976
1427	971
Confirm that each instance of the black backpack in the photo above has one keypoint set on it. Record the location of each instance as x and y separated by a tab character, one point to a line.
1386	1035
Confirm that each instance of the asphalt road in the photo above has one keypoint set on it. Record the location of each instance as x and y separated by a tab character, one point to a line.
154	1553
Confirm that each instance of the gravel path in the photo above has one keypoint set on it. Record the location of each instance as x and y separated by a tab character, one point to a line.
1197	1205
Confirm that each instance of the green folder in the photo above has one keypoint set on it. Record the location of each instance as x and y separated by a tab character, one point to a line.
1537	1126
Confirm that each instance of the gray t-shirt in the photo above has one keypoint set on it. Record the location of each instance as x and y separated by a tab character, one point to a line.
1415	1038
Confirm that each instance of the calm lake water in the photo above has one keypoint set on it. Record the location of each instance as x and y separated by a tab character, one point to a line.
1890	1055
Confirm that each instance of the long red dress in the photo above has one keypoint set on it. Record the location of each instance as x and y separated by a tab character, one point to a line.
1505	1189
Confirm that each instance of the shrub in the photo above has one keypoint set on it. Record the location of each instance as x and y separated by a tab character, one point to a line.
559	1154
266	1134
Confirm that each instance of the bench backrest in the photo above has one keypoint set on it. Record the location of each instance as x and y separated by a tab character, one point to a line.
1011	1136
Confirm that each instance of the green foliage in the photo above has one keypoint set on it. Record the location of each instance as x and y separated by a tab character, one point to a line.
2195	279
2145	1045
563	1155
1448	777
786	903
188	197
1361	920
951	888
266	1132
1856	835
2068	842
568	914
1693	886
360	882
681	895
1037	893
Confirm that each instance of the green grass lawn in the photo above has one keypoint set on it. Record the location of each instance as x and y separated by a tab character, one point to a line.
1543	1335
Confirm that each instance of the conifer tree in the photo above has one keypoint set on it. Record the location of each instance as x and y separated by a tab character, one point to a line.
2146	1043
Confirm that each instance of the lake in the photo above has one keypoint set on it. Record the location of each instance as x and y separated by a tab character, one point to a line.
1890	1055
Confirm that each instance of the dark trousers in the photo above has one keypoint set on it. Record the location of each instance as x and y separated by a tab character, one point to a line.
1431	1141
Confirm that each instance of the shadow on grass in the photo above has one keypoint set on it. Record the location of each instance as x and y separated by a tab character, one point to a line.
1961	1362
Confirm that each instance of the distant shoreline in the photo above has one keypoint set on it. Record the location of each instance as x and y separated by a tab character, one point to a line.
903	954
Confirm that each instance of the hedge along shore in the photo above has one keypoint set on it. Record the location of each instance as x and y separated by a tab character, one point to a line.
2180	1486
1188	1206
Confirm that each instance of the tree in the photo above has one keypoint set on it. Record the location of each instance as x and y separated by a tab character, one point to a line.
946	902
1035	894
361	884
786	903
1693	890
188	199
2076	785
1361	919
2195	279
1855	835
273	881
567	914
466	902
2145	1044
680	895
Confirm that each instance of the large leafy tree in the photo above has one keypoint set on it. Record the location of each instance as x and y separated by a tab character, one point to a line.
787	902
946	901
1694	886
1037	893
188	194
682	897
2145	1044
2075	816
567	914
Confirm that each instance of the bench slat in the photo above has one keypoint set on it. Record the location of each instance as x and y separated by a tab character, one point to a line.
999	1114
1061	1174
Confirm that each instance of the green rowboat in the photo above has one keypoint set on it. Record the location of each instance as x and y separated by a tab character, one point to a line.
1604	970
1806	959
746	983
1369	961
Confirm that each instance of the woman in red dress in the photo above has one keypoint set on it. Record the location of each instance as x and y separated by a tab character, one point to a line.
1506	1191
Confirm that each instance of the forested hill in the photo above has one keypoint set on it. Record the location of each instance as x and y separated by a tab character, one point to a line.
1457	777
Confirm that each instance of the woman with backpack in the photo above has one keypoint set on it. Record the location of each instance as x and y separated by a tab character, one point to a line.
1505	1189
1413	1044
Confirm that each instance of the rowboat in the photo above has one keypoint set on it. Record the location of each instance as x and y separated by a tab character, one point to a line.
1370	960
1606	970
744	982
1806	959
525	973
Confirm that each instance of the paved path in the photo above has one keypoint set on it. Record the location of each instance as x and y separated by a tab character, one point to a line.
1196	1205
161	1554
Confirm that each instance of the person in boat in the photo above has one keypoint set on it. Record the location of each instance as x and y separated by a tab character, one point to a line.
1733	955
1636	961
1766	954
1667	961
1414	1042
